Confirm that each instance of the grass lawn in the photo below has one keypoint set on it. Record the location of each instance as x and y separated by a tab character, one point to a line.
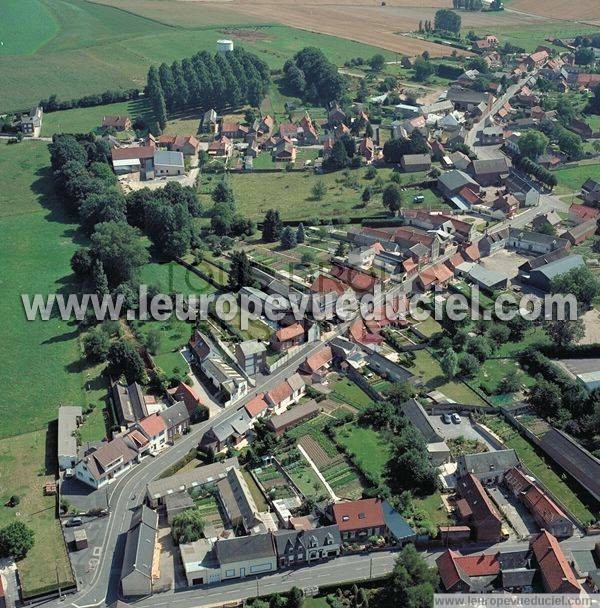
348	392
570	179
535	335
429	327
170	277
555	480
433	507
259	499
89	47
428	369
26	463
83	120
493	371
368	446
306	479
291	193
594	121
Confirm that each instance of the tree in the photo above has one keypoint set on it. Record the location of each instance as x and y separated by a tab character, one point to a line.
468	365
377	62
399	392
95	345
152	341
479	63
288	238
307	257
272	226
423	69
223	193
99	279
581	282
187	527
338	158
565	333
124	360
392	198
480	347
300	234
449	363
81	263
16	539
240	273
319	190
295	598
584	56
545	397
533	143
120	249
395	149
511	383
366	195
447	20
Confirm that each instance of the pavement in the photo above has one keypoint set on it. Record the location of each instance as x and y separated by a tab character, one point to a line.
463	429
8	576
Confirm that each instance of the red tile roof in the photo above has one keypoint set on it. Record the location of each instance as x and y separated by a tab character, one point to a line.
319	359
359	281
138	438
436	274
541	504
472	252
584	212
133	152
280	393
184	392
256	406
153	425
451	566
325	284
557	574
479	502
289	333
469	195
358	514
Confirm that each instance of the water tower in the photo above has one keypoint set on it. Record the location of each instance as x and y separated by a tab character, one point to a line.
224	46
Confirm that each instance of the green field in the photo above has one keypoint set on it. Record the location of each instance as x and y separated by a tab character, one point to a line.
19	40
348	392
83	120
90	47
570	179
41	359
291	193
26	463
370	448
578	502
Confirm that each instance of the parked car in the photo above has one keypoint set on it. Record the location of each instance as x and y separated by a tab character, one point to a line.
446	418
455	418
73	522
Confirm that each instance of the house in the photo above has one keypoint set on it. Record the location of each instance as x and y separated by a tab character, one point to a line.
364	256
237	502
134	159
527	241
468	573
591	190
246	556
221	148
294	416
176	504
288	337
543	276
465	99
581	232
158	490
460	160
527	97
168	163
492	242
186	393
299	547
336	116
139	553
307	133
100	464
451	182
288	130
154	430
556	573
488	280
210	122
542	260
257	407
118	123
317	365
230	432
31	124
491	135
360	520
437	448
536	59
490	172
546	221
579	214
512	143
505	206
366	148
286	393
129	403
232	130
284	151
231	384
544	510
476	509
69	419
251	356
488	467
359	282
177	420
411	163
188	145
438	275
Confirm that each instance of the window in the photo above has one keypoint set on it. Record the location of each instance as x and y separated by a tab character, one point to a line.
260	568
229	573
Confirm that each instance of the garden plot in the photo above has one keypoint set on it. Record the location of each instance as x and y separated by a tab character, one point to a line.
208	507
273	483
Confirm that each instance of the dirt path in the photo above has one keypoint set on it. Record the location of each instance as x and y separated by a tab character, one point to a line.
318	473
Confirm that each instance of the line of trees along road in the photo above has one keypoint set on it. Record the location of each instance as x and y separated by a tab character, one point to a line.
209	81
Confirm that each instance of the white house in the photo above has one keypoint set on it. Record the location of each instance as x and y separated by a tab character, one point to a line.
167	162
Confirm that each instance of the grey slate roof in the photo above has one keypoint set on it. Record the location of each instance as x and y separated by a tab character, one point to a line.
486	277
395	523
251	347
238	422
535	237
129	403
488	462
487	166
67	425
175	414
562	266
168	158
244	548
455	180
415	413
139	545
286	539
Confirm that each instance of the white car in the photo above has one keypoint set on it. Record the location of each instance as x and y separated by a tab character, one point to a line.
455	418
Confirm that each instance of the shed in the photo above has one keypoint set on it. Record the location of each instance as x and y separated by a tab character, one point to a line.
80	540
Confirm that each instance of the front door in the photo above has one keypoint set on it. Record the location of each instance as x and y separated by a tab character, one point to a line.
242	572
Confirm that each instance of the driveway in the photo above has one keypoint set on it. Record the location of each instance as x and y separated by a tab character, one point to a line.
518	517
8	578
454	431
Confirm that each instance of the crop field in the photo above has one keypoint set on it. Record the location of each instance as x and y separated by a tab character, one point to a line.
587	11
41	26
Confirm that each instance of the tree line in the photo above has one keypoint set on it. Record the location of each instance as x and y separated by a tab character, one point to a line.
53	104
209	81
